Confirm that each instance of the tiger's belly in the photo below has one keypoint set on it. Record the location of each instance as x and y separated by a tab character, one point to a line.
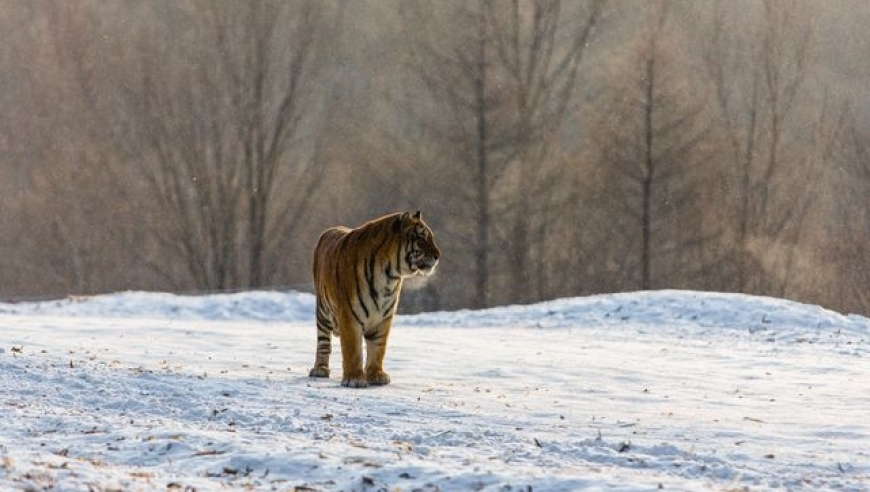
365	316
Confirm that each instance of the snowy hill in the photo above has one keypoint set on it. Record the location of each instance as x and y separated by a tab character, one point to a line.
673	390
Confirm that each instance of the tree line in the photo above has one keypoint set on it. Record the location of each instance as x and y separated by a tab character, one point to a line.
557	148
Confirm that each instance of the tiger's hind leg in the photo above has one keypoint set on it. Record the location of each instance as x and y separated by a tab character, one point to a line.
376	349
325	327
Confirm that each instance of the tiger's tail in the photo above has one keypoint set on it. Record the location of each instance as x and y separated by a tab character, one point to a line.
325	331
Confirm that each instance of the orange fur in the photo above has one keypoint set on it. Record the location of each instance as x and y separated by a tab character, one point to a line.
358	277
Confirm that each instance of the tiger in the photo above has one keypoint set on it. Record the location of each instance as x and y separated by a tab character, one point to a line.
358	275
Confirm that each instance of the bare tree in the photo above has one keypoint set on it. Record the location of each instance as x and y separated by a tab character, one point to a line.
457	73
223	123
759	78
501	85
193	145
846	250
70	188
540	46
652	140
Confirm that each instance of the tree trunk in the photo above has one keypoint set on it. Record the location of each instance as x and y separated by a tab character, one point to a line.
647	183
483	212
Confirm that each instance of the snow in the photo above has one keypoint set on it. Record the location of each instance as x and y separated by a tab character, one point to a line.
248	306
642	391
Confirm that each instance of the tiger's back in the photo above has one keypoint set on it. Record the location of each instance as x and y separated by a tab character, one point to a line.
343	270
358	278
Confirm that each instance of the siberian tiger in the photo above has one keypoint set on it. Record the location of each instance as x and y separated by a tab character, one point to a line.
358	276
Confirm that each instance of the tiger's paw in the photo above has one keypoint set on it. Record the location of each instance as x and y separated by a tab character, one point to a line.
354	379
378	378
319	372
354	382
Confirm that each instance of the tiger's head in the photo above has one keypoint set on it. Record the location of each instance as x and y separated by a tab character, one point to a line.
420	254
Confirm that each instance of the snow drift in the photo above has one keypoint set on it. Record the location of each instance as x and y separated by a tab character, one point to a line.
674	390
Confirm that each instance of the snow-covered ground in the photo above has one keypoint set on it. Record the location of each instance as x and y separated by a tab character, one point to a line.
658	390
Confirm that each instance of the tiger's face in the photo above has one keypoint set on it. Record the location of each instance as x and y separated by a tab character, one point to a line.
421	252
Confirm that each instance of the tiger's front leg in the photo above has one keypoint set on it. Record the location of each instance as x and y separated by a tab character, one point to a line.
376	349
351	353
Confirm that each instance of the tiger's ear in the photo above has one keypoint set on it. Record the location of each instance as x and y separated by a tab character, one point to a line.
401	221
417	215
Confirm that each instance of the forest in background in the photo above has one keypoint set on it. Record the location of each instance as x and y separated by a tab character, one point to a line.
556	148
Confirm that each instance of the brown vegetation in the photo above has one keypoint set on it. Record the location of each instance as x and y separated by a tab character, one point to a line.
557	148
